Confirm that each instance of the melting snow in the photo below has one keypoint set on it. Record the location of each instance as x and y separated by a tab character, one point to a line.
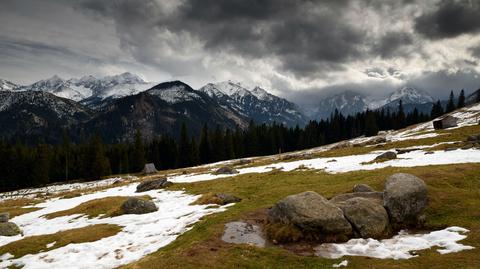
351	163
342	264
140	235
400	246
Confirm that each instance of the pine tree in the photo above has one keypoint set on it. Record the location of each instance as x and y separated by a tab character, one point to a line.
461	99
371	127
205	150
451	103
401	123
477	100
41	165
437	110
138	155
184	148
99	164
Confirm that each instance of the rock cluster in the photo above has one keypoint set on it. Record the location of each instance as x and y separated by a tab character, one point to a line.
8	228
364	213
153	184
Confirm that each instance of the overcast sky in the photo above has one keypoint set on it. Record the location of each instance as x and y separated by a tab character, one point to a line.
297	49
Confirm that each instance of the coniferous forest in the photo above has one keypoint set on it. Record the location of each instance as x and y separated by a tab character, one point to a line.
30	166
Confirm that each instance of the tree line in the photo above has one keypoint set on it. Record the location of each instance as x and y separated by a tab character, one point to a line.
25	166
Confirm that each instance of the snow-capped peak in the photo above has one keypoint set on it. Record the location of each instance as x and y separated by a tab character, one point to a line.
231	88
262	94
6	85
410	96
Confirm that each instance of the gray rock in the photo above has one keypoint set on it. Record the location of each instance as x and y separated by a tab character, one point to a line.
367	217
136	205
473	138
310	212
225	170
9	229
153	184
242	162
429	152
362	188
405	197
227	198
4	217
403	151
375	196
389	155
468	146
450	149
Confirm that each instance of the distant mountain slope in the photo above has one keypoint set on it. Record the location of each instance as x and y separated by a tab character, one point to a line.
350	102
256	104
347	103
6	85
162	109
38	115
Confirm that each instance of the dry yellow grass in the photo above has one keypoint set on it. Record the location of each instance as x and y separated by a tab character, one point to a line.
104	207
36	244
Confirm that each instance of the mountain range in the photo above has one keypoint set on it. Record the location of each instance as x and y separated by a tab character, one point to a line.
116	106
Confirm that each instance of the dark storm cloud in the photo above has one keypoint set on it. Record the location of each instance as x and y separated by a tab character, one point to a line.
450	19
304	35
392	44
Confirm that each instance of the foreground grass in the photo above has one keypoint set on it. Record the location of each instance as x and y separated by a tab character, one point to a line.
37	244
454	200
105	207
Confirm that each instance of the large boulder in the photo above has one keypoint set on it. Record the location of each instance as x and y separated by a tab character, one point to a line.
136	205
153	184
375	196
311	212
405	197
362	188
225	170
9	229
367	217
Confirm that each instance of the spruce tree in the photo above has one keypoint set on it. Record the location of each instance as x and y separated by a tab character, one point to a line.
41	165
401	123
437	110
451	103
184	148
371	127
461	99
137	160
205	152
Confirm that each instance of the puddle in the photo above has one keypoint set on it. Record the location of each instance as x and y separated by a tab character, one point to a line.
239	232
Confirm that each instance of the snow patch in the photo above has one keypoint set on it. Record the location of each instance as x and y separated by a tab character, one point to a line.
140	235
400	246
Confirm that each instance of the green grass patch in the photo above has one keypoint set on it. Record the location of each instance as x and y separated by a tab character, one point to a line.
454	199
105	207
37	244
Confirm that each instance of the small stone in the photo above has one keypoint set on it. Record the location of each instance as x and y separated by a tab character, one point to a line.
429	152
362	188
225	170
4	217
